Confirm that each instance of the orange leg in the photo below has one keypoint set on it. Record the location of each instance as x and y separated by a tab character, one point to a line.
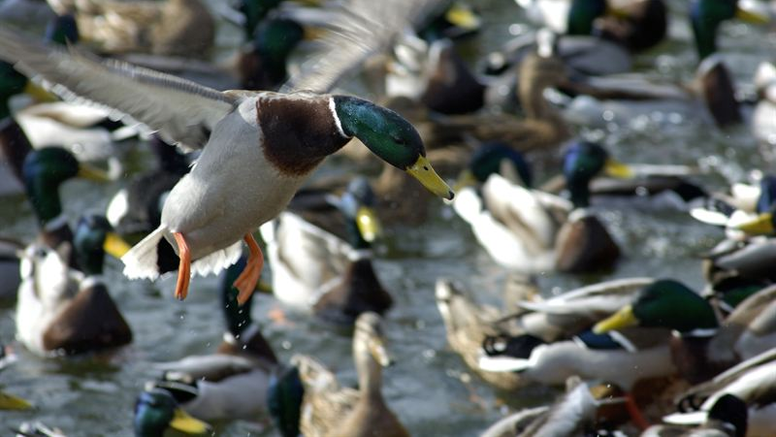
249	277
184	268
635	413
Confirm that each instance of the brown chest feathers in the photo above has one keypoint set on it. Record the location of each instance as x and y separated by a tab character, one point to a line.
297	133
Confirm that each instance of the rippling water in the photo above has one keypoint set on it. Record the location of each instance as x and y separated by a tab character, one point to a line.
430	388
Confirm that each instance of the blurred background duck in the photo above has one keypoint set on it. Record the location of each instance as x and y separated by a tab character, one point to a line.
320	252
232	383
751	381
170	27
727	417
329	409
703	345
157	412
706	16
530	230
60	310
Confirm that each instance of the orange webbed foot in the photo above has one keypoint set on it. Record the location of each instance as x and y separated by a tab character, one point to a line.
246	282
184	268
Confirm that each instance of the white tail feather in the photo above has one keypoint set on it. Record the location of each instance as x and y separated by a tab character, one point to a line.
218	260
142	260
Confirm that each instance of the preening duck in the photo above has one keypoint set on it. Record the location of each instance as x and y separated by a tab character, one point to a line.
269	142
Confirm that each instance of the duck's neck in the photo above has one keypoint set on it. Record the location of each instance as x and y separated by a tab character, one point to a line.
579	191
370	373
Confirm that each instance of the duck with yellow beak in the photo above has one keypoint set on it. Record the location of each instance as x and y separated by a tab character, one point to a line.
156	412
531	230
257	149
320	251
707	15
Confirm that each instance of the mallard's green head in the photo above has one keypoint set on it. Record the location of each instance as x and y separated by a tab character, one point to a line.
458	20
273	42
582	162
357	204
496	158
765	221
707	15
93	237
63	29
156	411
254	12
666	304
238	317
44	170
582	13
390	137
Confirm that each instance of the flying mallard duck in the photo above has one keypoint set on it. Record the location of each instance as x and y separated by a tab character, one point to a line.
210	210
170	27
330	410
751	381
320	251
62	310
232	383
530	230
704	345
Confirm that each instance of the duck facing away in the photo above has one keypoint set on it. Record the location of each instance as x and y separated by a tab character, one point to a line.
329	410
269	142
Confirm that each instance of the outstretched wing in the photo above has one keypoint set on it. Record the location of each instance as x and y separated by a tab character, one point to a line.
358	30
181	111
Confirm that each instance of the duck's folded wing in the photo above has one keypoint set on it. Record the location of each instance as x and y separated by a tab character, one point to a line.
182	111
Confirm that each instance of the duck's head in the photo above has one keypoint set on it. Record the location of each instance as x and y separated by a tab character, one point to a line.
663	304
44	170
369	340
707	15
390	137
765	221
263	65
63	29
496	158
358	206
457	20
93	237
254	12
156	411
582	162
582	14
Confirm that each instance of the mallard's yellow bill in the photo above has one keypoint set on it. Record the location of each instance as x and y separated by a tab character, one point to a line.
617	169
463	16
115	246
465	179
380	354
424	172
750	16
92	173
38	93
621	319
183	422
10	402
368	224
762	225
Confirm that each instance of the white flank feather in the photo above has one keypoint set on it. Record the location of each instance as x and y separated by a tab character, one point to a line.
218	260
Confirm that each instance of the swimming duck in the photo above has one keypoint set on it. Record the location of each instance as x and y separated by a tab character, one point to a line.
558	319
703	345
330	410
320	251
203	215
64	311
638	25
156	411
171	27
745	210
707	15
751	381
233	382
529	230
727	417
